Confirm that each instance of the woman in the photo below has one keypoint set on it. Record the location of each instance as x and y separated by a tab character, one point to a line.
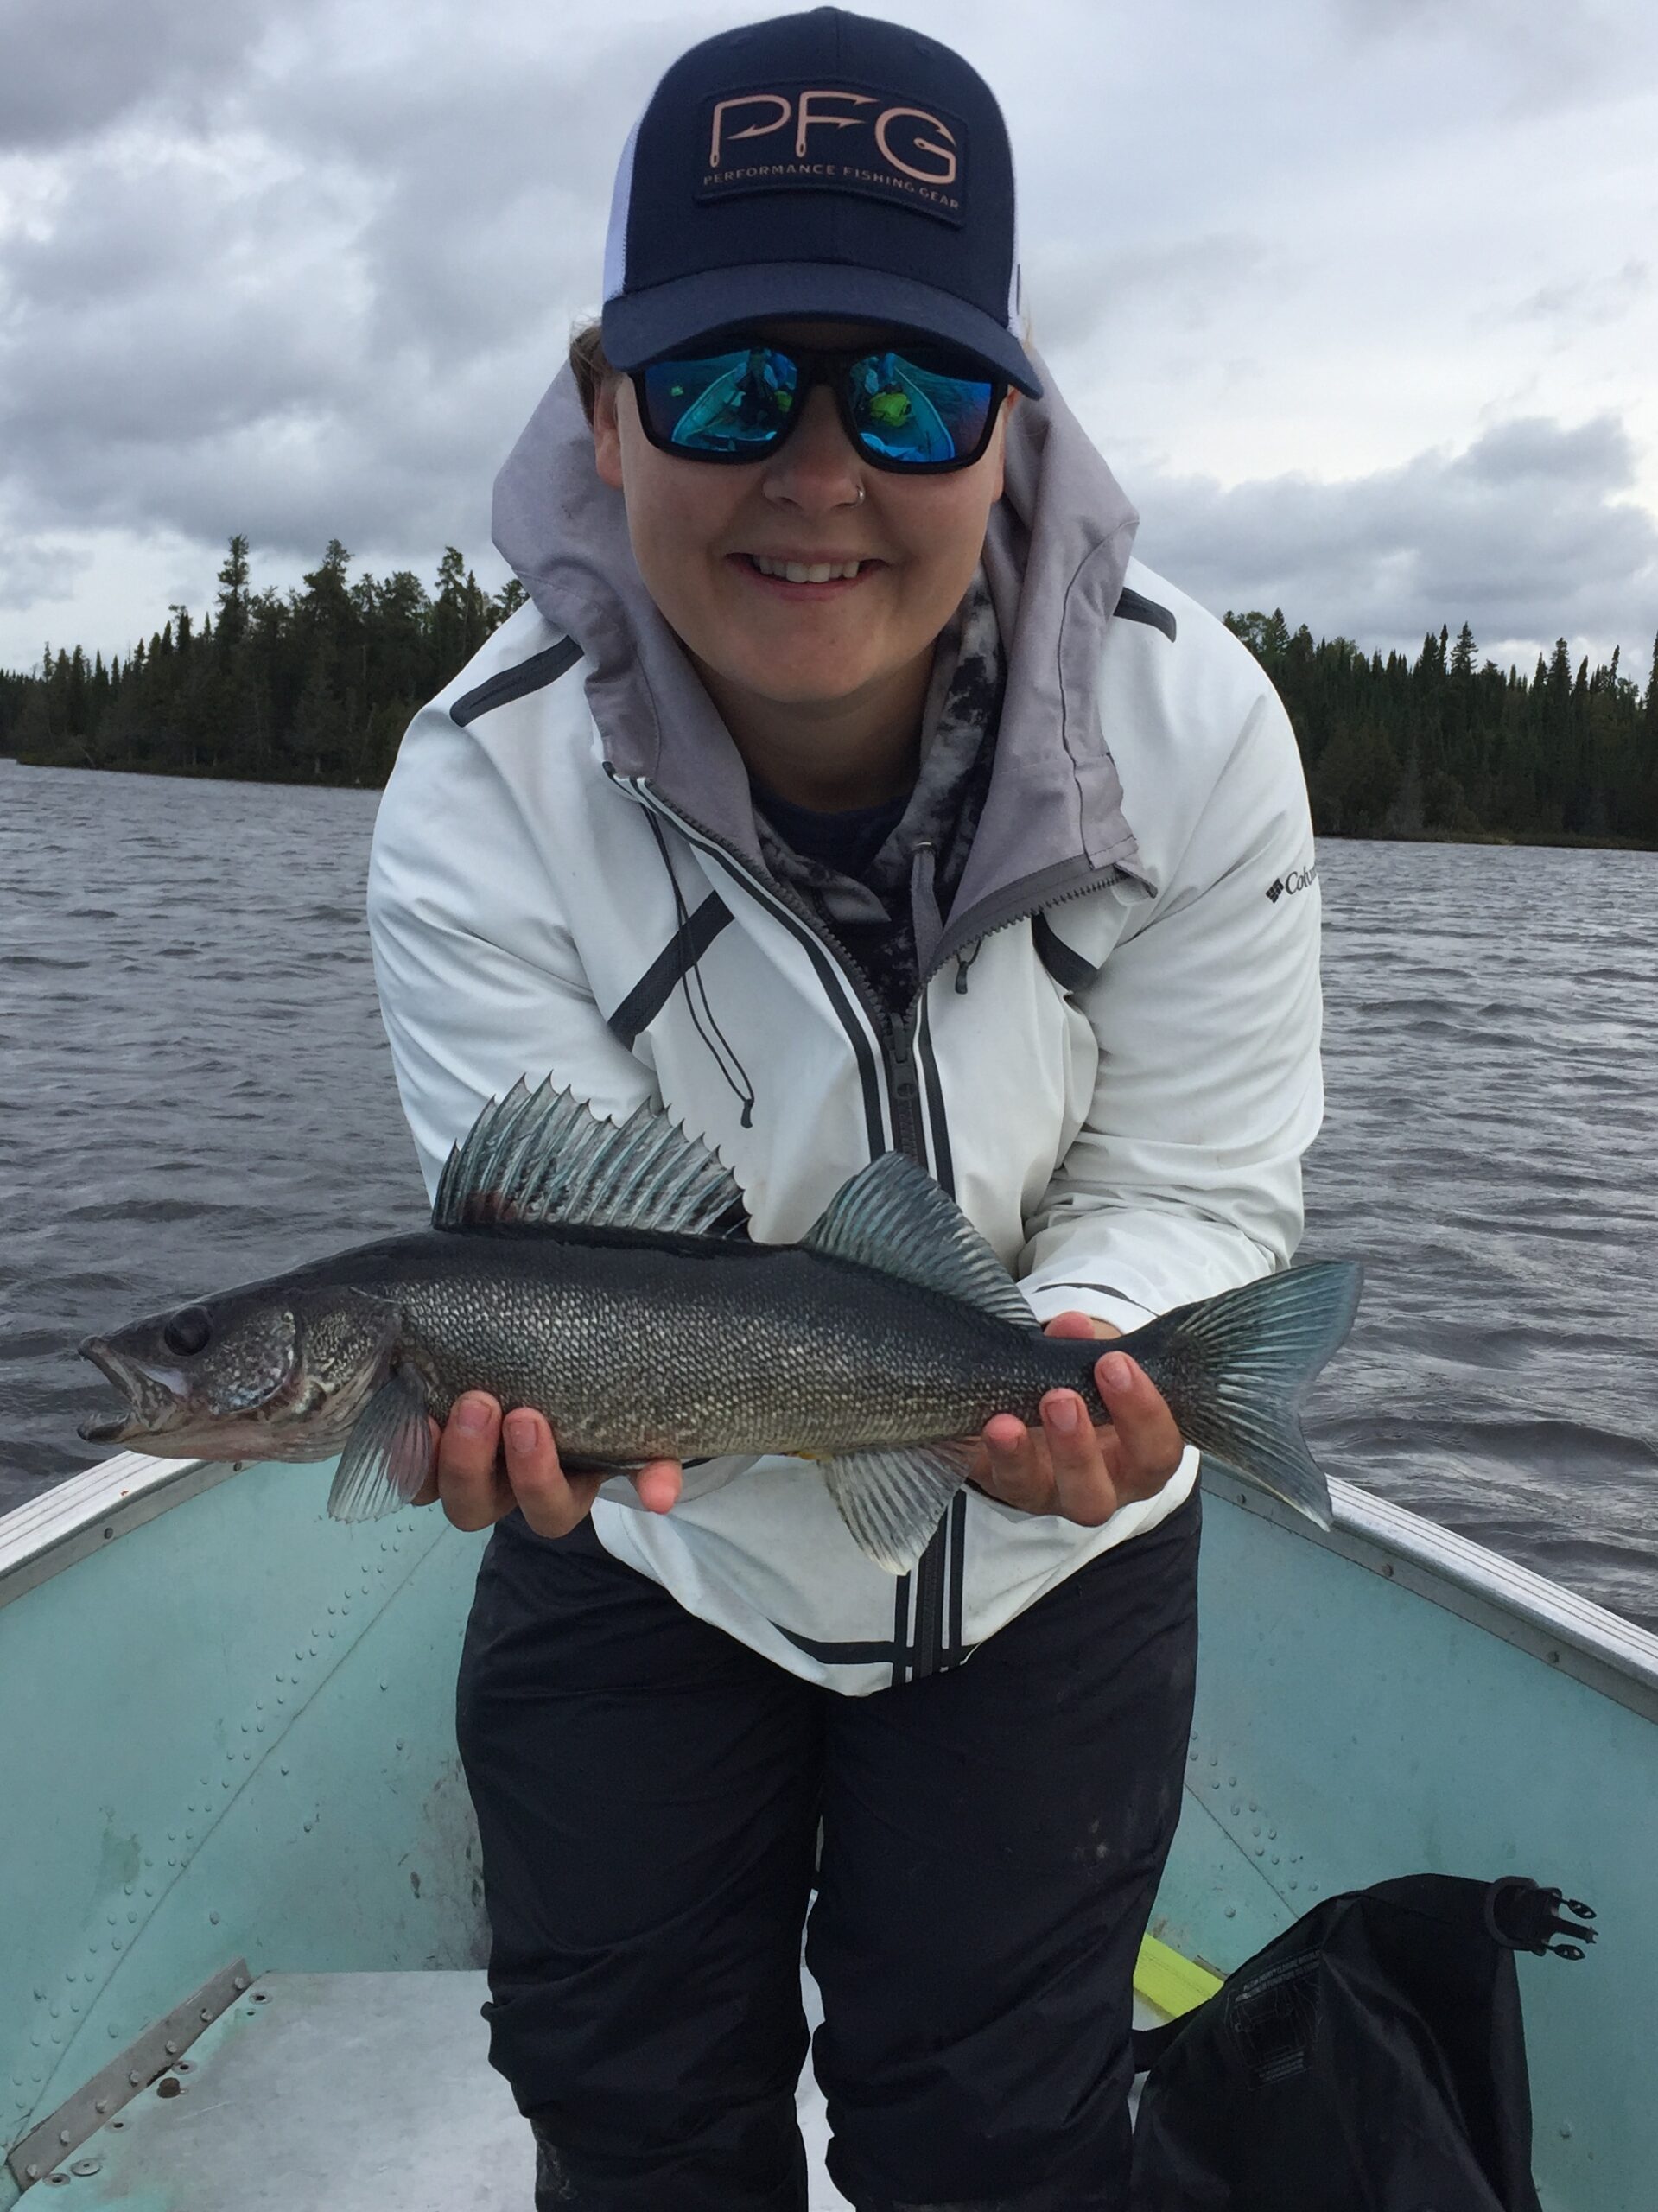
842	787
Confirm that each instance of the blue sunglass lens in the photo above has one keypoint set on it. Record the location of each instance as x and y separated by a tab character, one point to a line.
912	408
735	403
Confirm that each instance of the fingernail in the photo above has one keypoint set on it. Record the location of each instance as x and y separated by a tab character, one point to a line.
471	1416
521	1432
1116	1371
1062	1412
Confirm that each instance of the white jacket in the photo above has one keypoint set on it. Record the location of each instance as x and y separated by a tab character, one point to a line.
1114	1064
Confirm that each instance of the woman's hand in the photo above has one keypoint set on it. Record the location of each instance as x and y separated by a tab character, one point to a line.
486	1467
1069	1467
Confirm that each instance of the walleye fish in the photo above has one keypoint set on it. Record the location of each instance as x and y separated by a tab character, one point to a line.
602	1272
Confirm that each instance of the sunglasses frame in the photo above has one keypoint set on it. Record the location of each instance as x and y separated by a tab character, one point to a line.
814	365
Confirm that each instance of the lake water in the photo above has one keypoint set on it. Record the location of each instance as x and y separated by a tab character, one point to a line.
194	1089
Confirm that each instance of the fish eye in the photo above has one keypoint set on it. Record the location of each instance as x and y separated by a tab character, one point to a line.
188	1333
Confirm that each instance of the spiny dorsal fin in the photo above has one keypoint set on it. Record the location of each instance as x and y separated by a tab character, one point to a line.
893	1215
536	1157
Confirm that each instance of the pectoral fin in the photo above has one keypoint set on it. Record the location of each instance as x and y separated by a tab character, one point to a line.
387	1455
892	1502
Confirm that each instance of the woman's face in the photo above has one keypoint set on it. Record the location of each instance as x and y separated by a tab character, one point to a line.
697	527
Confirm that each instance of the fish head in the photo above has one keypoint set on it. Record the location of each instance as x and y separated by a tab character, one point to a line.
272	1372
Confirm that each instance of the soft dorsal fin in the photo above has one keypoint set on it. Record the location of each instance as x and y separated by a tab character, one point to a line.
536	1157
893	1215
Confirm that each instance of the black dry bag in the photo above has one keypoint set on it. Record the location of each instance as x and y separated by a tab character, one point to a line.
1371	2059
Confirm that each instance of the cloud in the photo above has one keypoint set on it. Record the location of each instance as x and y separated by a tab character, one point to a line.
1573	302
303	270
73	66
1526	535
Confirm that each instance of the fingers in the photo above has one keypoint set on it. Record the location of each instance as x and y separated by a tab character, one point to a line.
1147	1439
552	1501
1084	1490
658	1484
1073	1324
469	1480
1068	1467
486	1465
1016	1469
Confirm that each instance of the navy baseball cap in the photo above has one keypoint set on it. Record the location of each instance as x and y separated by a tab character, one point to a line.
818	164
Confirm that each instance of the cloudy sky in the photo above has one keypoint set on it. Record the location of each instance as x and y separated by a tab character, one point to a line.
1359	296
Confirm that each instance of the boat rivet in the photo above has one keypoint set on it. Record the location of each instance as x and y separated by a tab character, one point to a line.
240	1981
1387	1568
206	2013
34	2172
170	2086
1231	1912
103	2105
84	2166
1553	1658
135	2077
171	2050
212	1920
1566	2130
63	2135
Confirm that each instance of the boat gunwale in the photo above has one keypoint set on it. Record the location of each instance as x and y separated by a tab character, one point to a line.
1570	1634
45	1535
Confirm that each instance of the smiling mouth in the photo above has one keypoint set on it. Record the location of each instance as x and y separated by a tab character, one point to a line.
820	578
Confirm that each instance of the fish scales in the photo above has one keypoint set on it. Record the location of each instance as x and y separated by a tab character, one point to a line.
638	1347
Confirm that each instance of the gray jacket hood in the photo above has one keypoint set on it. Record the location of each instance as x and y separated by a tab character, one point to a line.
1055	554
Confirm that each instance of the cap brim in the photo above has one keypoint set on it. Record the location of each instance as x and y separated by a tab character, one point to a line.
639	326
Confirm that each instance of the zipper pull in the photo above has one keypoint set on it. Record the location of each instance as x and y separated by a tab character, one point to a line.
905	1083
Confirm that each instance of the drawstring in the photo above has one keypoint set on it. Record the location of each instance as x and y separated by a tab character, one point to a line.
742	1091
925	921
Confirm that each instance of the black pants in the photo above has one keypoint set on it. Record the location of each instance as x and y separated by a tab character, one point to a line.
649	1793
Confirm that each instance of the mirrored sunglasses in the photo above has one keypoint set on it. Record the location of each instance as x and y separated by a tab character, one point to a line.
920	411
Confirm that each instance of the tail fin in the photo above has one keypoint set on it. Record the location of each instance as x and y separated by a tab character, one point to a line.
1235	1368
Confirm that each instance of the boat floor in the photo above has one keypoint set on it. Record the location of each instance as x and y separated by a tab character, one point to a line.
370	2090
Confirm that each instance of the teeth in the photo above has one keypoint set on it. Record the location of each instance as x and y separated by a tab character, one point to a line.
801	572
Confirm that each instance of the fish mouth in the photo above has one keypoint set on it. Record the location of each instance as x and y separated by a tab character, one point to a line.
153	1407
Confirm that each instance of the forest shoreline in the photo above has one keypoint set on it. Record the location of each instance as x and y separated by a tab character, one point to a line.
318	685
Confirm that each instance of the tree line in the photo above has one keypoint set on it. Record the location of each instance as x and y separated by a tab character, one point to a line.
317	685
314	685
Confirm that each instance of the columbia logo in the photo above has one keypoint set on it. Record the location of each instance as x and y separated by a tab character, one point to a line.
1297	880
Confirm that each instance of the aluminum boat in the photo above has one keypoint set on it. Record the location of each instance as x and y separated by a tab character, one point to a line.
242	1934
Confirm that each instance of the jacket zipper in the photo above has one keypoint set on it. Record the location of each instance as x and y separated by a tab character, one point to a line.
896	1035
894	1032
904	1083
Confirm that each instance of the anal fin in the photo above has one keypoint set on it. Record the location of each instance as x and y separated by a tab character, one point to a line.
893	1501
387	1455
